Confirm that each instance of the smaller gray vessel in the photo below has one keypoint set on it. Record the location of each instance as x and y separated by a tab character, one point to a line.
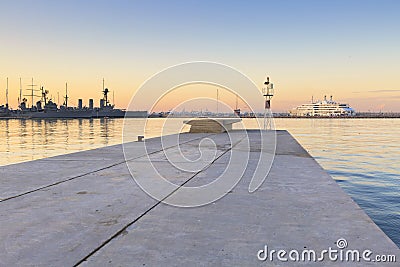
106	109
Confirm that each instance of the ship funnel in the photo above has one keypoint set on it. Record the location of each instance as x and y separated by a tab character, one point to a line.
90	103
79	103
101	103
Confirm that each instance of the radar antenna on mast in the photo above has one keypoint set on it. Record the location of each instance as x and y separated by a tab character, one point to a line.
66	95
105	95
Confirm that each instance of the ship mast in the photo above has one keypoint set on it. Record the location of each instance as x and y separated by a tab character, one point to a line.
7	95
236	111
66	95
44	95
105	93
32	94
20	91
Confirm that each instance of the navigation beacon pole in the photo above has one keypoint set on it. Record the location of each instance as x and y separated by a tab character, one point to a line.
268	92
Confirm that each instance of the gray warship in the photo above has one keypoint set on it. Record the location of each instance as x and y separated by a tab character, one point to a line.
46	108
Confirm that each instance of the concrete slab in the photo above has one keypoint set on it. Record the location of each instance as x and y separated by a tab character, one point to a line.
23	178
103	218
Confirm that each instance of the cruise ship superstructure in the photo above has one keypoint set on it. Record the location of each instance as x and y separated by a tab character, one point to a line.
324	108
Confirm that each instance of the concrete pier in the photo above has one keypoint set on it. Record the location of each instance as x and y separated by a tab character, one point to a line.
204	125
85	209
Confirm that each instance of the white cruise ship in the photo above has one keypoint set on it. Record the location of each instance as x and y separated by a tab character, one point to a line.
325	108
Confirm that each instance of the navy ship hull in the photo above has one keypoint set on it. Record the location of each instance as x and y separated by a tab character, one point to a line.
59	114
78	114
113	113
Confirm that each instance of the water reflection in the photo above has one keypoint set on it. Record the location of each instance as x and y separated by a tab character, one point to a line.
362	155
23	140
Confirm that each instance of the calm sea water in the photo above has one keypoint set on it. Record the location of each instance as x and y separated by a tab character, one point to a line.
362	155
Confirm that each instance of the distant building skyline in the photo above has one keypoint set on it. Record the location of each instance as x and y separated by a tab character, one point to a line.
348	49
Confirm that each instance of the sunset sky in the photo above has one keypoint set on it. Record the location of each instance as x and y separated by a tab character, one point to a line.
348	49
